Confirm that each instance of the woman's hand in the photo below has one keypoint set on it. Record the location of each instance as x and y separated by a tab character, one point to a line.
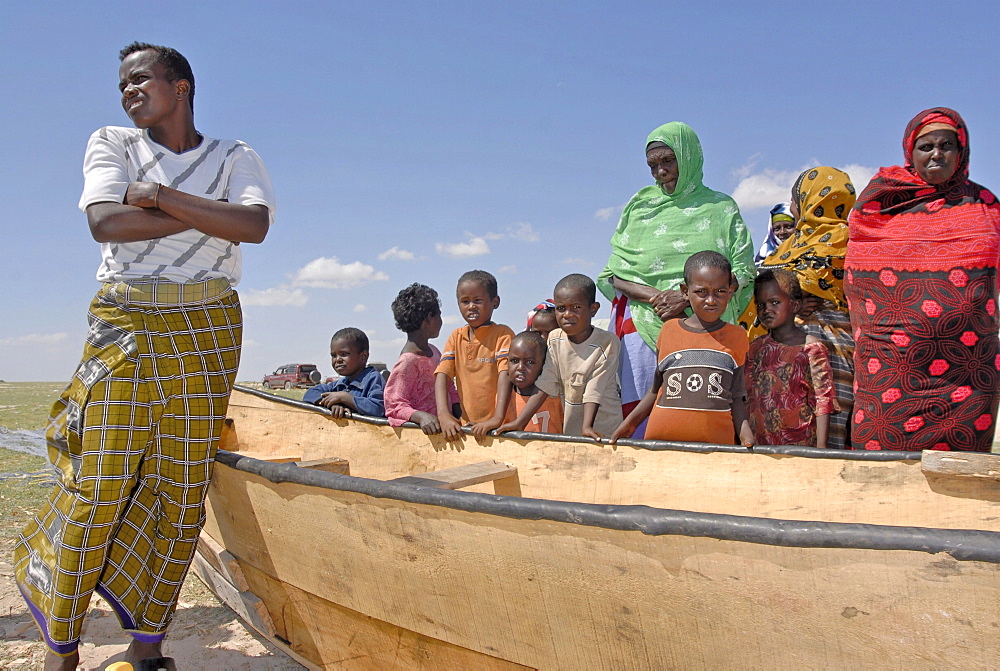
810	304
669	304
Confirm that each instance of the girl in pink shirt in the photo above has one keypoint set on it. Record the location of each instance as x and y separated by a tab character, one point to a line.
409	393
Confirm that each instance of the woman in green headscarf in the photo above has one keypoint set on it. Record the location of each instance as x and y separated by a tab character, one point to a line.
660	228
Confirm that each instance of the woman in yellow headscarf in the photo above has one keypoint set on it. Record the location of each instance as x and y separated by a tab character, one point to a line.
821	200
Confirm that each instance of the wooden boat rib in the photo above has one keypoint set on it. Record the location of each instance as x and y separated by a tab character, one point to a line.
650	555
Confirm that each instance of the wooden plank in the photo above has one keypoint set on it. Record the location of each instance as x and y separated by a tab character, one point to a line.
229	440
223	561
247	605
275	458
331	465
460	477
961	464
323	635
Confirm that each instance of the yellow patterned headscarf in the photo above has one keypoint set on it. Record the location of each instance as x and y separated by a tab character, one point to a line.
815	253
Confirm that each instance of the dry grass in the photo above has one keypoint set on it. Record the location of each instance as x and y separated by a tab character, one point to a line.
25	405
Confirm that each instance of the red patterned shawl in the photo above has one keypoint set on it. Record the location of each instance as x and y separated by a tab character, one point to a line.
901	221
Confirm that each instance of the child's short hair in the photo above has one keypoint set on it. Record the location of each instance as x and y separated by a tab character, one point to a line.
786	279
413	305
706	259
353	336
482	278
580	283
533	337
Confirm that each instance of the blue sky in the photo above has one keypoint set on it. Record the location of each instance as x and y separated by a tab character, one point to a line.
410	142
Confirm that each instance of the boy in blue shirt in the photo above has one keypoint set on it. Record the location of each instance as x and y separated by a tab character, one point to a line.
360	387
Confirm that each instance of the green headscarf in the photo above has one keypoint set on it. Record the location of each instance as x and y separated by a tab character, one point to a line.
658	231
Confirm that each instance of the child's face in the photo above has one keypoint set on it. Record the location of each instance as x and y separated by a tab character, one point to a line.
524	362
346	358
708	291
544	322
574	312
775	307
475	304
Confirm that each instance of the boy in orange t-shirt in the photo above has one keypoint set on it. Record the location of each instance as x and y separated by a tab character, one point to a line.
476	357
699	374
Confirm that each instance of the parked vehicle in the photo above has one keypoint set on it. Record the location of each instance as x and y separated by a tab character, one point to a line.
293	375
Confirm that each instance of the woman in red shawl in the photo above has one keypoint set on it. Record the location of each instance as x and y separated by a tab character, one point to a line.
922	285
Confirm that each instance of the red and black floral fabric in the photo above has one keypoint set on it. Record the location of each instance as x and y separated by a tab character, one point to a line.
922	284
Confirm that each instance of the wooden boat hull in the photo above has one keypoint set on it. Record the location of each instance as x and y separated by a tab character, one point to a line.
363	572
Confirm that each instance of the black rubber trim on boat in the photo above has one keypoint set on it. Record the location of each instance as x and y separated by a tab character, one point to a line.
962	544
778	450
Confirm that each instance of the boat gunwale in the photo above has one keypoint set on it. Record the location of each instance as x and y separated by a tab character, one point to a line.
652	445
960	544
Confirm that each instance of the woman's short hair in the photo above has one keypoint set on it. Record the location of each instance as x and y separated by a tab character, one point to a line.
413	305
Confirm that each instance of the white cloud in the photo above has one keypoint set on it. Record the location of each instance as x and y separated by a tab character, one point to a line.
476	246
329	273
508	269
34	339
860	175
522	231
583	263
396	253
606	213
765	188
360	307
272	297
747	168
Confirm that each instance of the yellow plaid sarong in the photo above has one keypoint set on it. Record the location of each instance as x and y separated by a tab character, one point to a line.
133	437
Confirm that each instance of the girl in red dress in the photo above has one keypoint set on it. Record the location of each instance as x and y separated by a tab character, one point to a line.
789	382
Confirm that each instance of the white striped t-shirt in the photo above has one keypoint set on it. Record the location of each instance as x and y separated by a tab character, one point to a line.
226	170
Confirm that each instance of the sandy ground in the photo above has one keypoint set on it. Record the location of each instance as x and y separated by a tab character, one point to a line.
204	633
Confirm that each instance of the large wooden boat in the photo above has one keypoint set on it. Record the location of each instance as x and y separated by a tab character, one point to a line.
353	544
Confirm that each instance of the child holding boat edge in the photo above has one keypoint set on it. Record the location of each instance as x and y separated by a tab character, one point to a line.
360	388
789	380
409	393
475	356
699	374
582	363
525	362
